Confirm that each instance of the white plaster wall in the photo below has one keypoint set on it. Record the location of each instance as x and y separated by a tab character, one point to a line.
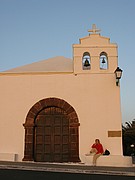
95	98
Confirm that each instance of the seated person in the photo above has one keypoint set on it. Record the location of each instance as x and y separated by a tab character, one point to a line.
97	150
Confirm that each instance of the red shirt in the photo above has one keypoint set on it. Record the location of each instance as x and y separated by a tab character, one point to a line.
99	148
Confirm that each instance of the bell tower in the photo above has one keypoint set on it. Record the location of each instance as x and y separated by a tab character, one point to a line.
97	74
94	54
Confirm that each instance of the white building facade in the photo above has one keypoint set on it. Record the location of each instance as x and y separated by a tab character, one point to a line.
53	110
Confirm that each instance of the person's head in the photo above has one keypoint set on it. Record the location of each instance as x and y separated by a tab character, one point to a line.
97	141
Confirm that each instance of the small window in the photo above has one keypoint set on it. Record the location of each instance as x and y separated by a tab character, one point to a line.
86	61
103	61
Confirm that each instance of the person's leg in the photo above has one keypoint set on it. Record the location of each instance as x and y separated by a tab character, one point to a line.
95	158
93	150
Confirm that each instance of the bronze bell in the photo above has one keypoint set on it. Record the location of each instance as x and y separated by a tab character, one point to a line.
86	63
103	61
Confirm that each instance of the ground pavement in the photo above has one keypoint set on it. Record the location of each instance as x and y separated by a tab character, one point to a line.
68	168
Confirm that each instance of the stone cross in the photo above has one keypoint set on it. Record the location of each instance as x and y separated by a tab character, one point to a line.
94	30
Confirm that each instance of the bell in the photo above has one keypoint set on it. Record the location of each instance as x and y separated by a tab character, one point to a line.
103	61
86	63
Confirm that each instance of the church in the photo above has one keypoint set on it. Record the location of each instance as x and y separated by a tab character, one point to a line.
53	110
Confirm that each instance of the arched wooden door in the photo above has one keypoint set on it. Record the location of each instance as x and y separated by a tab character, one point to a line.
52	143
51	132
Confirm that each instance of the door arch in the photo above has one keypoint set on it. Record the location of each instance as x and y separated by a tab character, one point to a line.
51	132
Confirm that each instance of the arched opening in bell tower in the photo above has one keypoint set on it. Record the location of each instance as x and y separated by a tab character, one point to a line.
86	64
103	60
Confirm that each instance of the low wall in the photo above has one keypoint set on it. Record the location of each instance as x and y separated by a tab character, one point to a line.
111	160
8	157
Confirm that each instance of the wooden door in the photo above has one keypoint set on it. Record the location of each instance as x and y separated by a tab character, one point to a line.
52	136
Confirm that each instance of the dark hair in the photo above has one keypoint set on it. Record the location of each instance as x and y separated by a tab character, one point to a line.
97	140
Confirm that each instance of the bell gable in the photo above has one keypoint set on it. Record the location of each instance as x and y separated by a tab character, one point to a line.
102	55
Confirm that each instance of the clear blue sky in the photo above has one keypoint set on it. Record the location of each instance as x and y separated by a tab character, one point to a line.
33	30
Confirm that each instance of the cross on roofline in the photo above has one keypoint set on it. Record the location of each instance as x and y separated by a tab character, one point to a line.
94	30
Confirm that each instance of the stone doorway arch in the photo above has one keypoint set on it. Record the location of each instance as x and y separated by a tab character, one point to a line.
66	111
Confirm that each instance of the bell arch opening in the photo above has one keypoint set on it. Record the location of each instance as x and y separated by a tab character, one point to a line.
51	132
86	61
103	61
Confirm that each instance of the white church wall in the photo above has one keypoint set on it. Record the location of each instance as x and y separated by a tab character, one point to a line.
95	99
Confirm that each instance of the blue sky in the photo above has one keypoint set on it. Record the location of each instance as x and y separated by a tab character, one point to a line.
33	30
